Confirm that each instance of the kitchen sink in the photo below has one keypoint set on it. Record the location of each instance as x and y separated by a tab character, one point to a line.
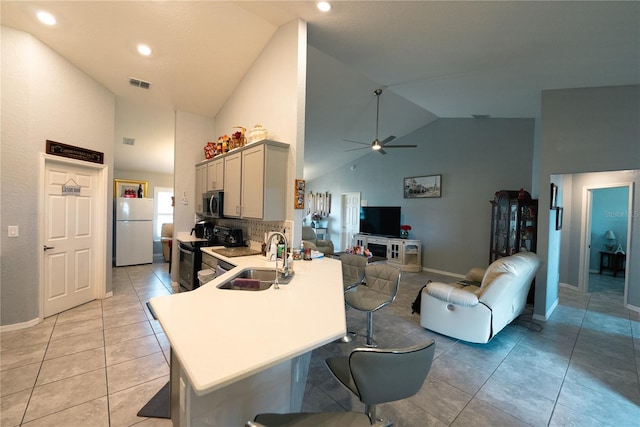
265	277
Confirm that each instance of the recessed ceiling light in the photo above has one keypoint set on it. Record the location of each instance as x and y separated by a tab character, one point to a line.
46	18
324	6
144	50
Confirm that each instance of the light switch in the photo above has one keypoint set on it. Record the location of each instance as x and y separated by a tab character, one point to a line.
13	231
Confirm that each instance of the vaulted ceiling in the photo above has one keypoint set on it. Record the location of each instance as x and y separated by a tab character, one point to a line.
433	59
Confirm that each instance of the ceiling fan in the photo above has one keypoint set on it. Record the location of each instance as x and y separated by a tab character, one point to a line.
378	145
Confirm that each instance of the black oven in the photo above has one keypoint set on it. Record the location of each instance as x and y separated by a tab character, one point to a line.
190	263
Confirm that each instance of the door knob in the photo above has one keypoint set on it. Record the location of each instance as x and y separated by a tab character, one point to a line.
46	248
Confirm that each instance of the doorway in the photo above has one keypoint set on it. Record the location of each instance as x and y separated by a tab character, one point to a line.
606	237
73	234
350	214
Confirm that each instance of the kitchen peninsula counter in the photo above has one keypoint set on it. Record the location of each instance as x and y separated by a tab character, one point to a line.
230	343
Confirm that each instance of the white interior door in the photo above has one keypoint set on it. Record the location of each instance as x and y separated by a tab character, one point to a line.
350	207
70	262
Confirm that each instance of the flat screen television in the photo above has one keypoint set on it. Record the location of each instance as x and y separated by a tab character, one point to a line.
380	220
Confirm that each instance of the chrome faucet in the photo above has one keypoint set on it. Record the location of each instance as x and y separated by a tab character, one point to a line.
285	262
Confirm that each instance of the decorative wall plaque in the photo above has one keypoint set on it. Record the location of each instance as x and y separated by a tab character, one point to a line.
78	153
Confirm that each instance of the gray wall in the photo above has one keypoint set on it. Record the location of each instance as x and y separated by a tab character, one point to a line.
476	158
43	97
585	130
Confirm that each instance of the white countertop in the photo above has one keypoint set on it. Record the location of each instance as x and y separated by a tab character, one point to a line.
185	236
221	336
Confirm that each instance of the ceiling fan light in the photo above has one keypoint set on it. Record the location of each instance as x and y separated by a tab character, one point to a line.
144	49
46	18
323	6
376	146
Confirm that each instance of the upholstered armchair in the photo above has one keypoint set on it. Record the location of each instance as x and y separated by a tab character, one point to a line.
309	240
477	308
165	238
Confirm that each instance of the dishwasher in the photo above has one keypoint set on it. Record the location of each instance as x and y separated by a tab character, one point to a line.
212	267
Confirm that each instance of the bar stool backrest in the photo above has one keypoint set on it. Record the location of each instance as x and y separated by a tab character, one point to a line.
390	375
352	269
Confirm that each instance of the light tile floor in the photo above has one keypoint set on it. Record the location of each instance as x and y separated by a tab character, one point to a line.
98	364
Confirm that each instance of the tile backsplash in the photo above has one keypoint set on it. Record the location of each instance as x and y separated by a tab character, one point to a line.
254	230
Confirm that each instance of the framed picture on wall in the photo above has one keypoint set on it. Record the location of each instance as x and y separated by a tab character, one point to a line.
420	187
298	197
559	212
130	188
553	196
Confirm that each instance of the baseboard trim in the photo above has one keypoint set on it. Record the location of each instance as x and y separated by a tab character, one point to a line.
632	308
548	313
18	326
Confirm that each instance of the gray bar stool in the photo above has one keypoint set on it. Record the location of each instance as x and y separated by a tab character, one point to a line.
375	376
378	376
352	275
380	288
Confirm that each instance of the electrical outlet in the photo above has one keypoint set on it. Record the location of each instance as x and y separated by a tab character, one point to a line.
13	231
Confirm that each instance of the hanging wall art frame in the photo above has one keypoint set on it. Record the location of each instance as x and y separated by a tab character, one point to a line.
553	203
559	215
422	187
126	187
298	197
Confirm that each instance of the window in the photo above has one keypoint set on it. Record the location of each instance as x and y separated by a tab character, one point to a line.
163	211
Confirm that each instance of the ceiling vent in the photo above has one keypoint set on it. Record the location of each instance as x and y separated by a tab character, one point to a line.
128	141
139	83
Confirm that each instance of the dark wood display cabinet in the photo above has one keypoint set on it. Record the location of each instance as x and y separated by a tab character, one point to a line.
514	223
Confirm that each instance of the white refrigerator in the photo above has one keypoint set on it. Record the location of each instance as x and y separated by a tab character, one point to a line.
134	231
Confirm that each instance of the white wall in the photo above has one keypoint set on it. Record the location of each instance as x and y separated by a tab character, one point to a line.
272	94
192	133
43	97
153	128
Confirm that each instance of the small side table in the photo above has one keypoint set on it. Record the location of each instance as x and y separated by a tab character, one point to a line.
614	262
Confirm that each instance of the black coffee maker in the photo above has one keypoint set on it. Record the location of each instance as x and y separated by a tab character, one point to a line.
203	230
229	237
234	238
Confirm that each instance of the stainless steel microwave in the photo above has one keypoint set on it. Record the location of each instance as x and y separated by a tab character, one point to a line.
212	204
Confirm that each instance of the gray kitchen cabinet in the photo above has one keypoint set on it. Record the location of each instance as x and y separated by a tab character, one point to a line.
255	179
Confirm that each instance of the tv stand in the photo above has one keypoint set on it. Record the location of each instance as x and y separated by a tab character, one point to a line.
405	253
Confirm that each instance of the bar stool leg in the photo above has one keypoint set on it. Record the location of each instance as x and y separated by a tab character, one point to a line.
370	341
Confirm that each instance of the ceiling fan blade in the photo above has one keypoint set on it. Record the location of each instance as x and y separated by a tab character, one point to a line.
387	139
400	146
377	145
356	142
355	149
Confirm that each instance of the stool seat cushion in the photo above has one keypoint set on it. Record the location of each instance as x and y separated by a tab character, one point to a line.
364	299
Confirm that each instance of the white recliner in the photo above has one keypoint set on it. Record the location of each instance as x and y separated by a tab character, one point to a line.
476	312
